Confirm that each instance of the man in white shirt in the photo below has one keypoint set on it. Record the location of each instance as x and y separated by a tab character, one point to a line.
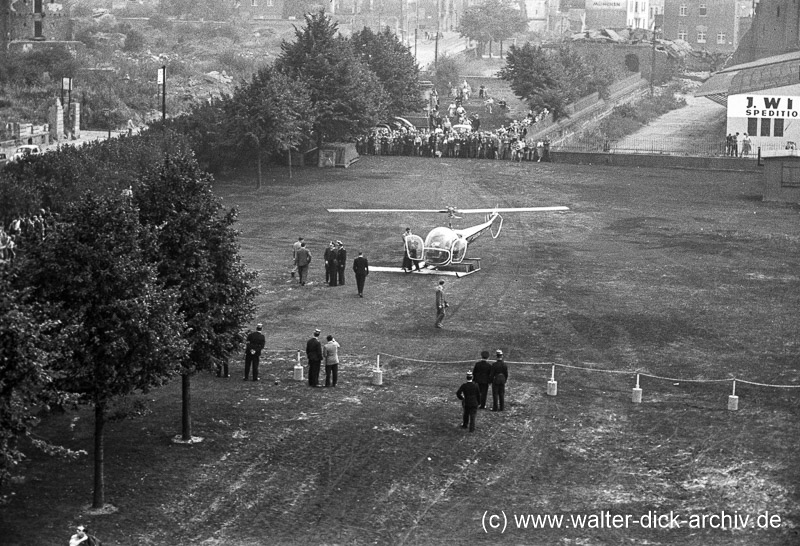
330	354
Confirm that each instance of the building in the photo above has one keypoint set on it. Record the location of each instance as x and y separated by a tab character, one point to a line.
706	25
774	30
255	10
33	20
618	14
762	99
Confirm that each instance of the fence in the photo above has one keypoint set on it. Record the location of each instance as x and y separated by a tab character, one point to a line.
664	145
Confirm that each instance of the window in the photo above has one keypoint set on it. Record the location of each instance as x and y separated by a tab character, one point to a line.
778	130
703	11
682	35
37	6
701	37
752	126
721	38
254	3
766	125
683	10
270	3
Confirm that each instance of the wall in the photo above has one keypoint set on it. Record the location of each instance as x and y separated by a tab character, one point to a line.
51	23
658	161
617	54
781	179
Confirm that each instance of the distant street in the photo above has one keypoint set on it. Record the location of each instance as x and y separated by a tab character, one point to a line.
450	44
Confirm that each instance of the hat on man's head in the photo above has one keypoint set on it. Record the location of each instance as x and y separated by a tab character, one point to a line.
339	243
469	375
317	331
441	282
499	352
259	326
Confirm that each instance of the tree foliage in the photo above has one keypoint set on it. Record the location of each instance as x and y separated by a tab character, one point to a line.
95	270
553	78
491	21
29	343
395	67
346	95
272	111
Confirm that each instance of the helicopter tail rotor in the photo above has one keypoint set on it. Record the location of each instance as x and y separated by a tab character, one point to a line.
499	227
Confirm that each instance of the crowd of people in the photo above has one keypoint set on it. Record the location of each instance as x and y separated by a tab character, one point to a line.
22	226
457	134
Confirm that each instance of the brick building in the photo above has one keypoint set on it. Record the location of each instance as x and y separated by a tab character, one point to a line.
706	25
775	30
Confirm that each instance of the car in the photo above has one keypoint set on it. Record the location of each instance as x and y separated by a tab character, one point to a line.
462	128
3	159
26	151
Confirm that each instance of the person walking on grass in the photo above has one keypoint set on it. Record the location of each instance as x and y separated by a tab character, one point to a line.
361	270
255	344
482	373
441	305
499	377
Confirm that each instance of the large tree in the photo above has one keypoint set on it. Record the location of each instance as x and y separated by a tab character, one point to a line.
395	67
491	21
197	256
552	78
95	270
346	96
270	114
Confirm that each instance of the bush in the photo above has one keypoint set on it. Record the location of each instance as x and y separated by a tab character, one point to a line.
134	41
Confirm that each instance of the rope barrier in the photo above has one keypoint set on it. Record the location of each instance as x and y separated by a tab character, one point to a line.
601	370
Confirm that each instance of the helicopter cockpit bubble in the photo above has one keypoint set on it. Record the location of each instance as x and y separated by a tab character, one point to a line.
415	247
459	250
438	246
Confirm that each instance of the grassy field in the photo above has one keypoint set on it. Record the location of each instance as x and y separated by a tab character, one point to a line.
682	274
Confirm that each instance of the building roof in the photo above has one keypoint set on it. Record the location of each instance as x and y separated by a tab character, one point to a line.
767	73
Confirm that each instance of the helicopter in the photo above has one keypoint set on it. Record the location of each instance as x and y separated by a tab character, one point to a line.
447	246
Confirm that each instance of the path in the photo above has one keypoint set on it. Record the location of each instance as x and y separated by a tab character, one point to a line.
699	124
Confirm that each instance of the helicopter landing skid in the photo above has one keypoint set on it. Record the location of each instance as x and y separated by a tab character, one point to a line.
466	267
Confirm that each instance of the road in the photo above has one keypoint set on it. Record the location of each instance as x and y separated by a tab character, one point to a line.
449	44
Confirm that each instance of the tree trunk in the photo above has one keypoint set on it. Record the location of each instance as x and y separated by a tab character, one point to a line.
186	417
259	169
99	482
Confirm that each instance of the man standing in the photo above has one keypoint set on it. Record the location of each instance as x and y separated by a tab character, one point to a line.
341	259
469	393
361	269
314	355
330	352
302	260
441	304
407	265
295	248
330	267
499	376
482	373
255	344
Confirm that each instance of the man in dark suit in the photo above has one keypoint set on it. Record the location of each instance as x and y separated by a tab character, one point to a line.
361	269
499	376
255	344
341	259
330	264
469	394
314	355
481	374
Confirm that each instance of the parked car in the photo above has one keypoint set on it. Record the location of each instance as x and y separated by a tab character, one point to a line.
25	151
3	159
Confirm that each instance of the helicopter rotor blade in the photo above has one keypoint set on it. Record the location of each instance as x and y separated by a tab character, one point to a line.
516	209
388	210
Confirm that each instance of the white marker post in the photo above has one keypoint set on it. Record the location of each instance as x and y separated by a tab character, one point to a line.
298	369
733	400
552	385
377	373
636	397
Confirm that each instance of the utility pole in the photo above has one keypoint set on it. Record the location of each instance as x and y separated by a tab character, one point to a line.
438	26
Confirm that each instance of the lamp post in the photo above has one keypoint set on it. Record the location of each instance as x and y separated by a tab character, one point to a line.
653	61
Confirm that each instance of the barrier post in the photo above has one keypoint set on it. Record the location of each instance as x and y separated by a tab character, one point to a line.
733	400
377	373
298	369
552	385
636	397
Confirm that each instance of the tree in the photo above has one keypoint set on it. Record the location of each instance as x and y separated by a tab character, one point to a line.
345	94
553	78
198	257
492	21
126	333
29	342
395	67
272	113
